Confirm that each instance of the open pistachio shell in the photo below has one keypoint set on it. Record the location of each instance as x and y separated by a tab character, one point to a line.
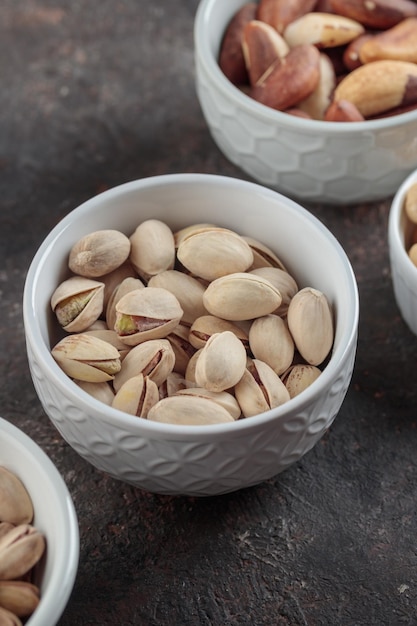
271	342
189	410
19	596
181	346
213	252
260	389
99	253
78	302
114	278
263	256
190	369
300	376
283	281
188	290
15	502
221	363
207	325
136	396
154	358
149	313
152	248
223	398
127	285
88	358
20	550
241	296
182	233
99	391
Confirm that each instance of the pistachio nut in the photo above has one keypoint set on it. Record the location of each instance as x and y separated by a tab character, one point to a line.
189	410
19	597
127	285
20	549
207	325
187	289
149	313
88	358
15	502
260	389
78	302
213	252
152	248
181	346
270	341
182	233
221	363
263	256
310	322
136	396
283	281
99	391
300	376
99	253
7	618
154	358
223	398
241	296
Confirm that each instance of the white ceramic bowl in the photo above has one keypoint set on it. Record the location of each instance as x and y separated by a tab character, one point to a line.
54	515
197	460
403	271
338	163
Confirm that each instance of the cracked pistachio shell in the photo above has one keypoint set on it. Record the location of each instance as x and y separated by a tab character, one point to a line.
114	278
182	233
20	549
154	358
149	313
213	252
111	337
188	290
152	248
88	358
223	398
190	370
99	253
283	281
241	296
19	596
181	346
127	285
260	389
8	618
15	502
300	376
189	410
174	382
136	396
221	363
77	303
263	256
207	325
99	391
310	321
271	341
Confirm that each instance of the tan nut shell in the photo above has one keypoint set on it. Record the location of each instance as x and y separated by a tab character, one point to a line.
15	502
19	597
152	248
181	346
20	549
207	325
189	410
260	389
154	358
136	396
88	358
263	256
99	391
75	286
410	203
187	289
299	377
99	253
310	321
223	398
221	363
213	252
241	296
127	285
271	342
8	618
283	281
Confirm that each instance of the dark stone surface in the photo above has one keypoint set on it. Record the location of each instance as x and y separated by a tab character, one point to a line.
101	92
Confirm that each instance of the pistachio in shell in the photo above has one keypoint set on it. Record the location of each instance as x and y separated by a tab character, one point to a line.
310	322
149	313
128	284
221	363
188	290
77	303
88	358
271	341
224	398
152	248
20	549
263	256
300	376
99	391
136	396
189	410
283	281
99	253
8	618
19	596
241	296
183	349
260	389
15	502
154	358
207	325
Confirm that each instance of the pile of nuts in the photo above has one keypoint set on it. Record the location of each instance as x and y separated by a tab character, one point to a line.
21	548
197	326
331	60
410	208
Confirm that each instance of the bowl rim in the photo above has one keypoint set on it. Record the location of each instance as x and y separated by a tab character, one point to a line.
206	57
176	431
55	597
395	232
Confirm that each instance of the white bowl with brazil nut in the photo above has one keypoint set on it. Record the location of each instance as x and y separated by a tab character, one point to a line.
195	460
330	162
54	516
403	271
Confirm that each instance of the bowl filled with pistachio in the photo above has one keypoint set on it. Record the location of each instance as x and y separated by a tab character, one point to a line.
39	537
191	333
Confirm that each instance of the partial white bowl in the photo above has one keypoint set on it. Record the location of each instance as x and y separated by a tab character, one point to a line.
195	460
403	271
54	515
337	163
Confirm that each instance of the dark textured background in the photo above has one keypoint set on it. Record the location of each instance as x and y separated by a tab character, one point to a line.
98	92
